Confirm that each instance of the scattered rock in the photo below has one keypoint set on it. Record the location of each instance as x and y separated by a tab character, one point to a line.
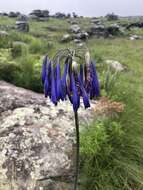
34	17
80	44
113	29
14	14
135	37
75	28
98	30
59	15
77	41
22	18
66	38
4	14
3	34
96	21
112	16
105	31
138	24
115	65
40	15
22	26
81	36
73	22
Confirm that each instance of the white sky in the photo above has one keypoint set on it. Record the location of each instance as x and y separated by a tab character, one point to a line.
81	7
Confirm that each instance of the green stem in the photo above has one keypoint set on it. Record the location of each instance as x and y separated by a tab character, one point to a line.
77	151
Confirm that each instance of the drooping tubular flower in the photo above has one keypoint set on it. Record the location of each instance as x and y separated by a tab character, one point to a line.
70	80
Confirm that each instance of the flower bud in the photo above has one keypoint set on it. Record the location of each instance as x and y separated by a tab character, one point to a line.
74	65
87	58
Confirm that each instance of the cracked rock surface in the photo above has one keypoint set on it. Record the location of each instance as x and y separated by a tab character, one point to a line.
37	141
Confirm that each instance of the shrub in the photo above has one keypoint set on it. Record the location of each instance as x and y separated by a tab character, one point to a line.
99	145
40	46
4	41
29	77
8	71
18	48
110	80
110	160
18	36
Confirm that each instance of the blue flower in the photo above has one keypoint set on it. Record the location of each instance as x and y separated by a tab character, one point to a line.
95	90
81	74
75	97
88	79
64	78
70	81
84	94
53	86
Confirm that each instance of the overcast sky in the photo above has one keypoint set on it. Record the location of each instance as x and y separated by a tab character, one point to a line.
82	7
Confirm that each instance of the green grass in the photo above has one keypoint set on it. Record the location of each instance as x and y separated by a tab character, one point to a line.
122	168
111	148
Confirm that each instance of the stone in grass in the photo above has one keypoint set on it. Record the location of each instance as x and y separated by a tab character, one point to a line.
81	35
115	65
135	37
77	41
66	38
22	26
3	33
37	139
75	28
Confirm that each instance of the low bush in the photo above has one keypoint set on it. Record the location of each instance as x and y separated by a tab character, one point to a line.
5	42
17	48
40	46
29	76
18	36
107	159
8	71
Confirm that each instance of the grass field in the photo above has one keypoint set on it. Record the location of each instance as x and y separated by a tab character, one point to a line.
112	148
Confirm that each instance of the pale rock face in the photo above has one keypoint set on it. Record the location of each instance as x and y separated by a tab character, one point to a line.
75	28
115	65
37	141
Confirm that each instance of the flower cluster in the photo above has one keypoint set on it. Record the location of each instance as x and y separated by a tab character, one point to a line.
70	80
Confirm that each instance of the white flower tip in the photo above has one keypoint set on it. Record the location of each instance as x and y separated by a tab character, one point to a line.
87	57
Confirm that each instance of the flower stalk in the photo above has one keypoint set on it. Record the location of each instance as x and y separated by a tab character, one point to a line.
77	151
74	80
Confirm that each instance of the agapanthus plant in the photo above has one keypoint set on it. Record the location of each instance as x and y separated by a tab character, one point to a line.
71	76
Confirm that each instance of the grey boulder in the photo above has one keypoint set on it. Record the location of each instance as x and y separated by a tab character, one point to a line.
37	140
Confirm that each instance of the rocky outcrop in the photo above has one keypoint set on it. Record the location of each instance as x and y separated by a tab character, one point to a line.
135	37
138	24
3	33
59	15
75	28
66	38
105	31
115	65
22	26
112	16
13	14
39	15
37	141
